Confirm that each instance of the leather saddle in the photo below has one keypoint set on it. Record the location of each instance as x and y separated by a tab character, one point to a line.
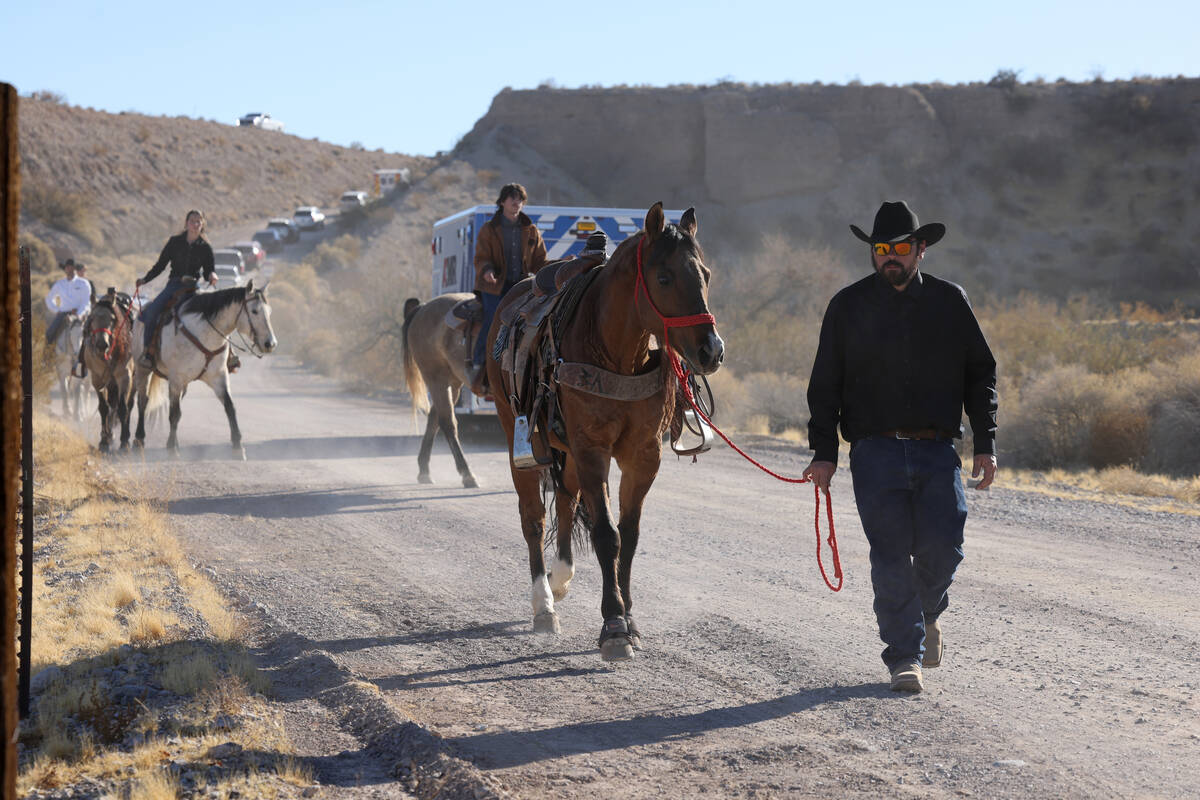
169	312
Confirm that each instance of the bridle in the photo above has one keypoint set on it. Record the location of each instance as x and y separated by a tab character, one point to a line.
253	347
123	319
687	321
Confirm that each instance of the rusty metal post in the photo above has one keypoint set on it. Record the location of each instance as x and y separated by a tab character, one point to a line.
25	611
10	435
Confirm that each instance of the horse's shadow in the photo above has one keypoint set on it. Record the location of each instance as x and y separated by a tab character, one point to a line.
303	504
316	448
514	748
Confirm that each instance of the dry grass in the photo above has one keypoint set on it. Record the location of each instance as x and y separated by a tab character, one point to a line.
1119	485
107	565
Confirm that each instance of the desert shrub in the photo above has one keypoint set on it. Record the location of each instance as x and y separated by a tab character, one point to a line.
48	96
1004	79
1174	435
1054	427
769	304
760	399
71	212
341	253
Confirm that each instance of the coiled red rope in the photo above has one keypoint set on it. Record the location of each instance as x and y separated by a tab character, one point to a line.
682	377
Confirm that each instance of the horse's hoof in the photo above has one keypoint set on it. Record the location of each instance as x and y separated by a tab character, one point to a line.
635	636
424	478
615	643
124	447
617	649
138	444
173	453
546	622
469	482
104	448
239	453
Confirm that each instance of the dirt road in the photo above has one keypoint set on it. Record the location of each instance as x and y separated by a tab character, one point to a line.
1072	655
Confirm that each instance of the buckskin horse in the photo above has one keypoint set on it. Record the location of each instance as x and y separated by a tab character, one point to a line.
193	346
435	358
108	355
608	396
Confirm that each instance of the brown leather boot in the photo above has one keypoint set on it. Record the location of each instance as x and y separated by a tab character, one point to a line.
479	381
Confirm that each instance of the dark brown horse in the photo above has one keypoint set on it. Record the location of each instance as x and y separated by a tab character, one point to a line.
655	278
108	355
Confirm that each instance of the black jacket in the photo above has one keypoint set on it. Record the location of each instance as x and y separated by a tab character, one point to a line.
193	260
910	360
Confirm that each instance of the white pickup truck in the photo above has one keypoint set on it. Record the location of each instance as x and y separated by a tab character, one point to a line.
259	120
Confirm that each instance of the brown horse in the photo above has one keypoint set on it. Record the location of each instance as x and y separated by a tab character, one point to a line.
655	280
108	355
435	368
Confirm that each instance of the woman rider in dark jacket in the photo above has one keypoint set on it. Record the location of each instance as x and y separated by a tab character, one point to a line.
190	256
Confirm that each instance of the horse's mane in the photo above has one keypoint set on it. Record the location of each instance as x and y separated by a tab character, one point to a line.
209	304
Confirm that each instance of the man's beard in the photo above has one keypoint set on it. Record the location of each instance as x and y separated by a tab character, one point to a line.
898	277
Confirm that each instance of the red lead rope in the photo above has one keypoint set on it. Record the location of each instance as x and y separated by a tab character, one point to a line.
681	376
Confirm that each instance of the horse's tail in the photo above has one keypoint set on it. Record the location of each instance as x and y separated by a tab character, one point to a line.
156	393
412	373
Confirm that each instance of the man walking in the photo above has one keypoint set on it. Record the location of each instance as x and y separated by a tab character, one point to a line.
900	356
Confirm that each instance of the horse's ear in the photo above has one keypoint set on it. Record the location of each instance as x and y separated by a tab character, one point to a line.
264	287
249	287
655	222
688	222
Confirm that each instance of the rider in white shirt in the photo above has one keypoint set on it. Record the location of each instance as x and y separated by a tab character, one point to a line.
69	295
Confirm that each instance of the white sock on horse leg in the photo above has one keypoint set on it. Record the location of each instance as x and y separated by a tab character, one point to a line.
543	600
561	573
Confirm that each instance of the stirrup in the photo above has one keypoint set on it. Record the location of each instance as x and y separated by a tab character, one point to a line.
693	423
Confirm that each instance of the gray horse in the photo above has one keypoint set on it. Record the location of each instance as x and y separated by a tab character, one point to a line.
194	346
64	352
435	369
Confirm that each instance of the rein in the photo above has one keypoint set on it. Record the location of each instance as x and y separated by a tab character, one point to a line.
682	377
252	348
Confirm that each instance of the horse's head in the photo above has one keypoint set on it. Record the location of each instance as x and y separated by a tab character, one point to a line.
102	326
258	318
671	271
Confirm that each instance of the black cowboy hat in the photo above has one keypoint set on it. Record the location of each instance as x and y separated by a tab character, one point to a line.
896	221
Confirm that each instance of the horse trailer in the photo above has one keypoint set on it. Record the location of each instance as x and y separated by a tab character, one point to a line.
565	230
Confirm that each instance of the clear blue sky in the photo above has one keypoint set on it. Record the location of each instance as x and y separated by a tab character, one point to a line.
413	77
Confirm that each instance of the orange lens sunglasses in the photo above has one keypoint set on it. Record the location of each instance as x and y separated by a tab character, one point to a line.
900	248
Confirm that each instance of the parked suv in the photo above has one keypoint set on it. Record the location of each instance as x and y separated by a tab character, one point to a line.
270	239
309	218
227	277
286	228
230	258
253	253
256	119
351	200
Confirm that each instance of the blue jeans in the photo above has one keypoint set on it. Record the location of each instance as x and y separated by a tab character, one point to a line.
490	303
913	508
151	310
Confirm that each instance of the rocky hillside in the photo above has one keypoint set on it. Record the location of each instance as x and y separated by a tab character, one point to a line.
1050	188
116	183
